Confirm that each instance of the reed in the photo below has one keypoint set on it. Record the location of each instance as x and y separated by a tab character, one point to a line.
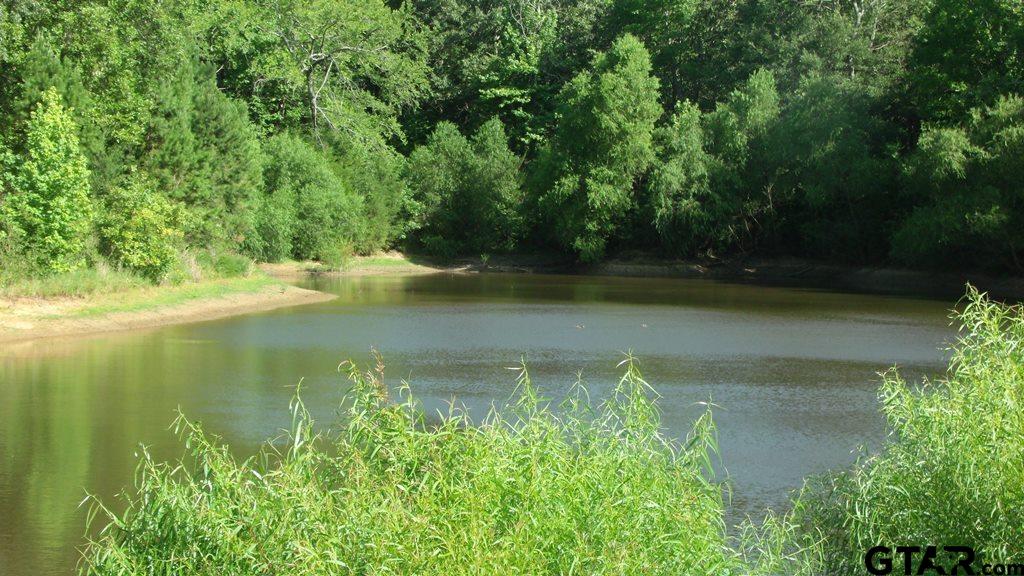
579	488
574	489
952	472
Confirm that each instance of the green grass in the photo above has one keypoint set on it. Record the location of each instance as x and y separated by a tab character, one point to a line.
579	489
155	297
381	261
530	490
74	284
953	470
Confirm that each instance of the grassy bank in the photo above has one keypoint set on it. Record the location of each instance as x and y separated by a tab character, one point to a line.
579	488
96	300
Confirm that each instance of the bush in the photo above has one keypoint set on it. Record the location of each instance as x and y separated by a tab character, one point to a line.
140	230
327	212
951	473
273	227
965	185
699	201
589	491
602	144
468	191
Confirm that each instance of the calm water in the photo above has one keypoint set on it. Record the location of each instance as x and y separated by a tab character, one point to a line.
793	374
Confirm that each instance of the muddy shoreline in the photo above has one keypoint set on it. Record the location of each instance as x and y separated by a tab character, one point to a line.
787	272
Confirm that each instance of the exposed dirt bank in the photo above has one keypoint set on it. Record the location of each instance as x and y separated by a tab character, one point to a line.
768	271
387	263
30	318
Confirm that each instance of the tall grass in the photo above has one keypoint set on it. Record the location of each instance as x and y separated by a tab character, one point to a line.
530	490
953	470
76	283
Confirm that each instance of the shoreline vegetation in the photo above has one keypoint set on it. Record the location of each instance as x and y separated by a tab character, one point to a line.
89	305
24	319
578	488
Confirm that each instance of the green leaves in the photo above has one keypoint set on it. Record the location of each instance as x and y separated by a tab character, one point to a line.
531	489
49	203
602	144
467	190
140	230
966	184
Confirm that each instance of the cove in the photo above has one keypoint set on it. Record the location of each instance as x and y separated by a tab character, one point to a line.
792	374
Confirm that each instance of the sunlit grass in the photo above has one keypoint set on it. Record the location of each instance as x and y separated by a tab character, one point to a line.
530	490
953	470
74	284
153	297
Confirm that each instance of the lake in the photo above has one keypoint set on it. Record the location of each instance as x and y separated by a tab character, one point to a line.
792	374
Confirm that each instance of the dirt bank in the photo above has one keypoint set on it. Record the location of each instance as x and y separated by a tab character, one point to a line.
387	263
26	318
767	271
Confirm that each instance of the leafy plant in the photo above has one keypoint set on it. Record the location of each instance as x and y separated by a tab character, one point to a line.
140	230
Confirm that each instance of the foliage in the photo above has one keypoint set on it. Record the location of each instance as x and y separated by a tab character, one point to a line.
948	474
814	118
966	183
140	230
827	173
17	280
968	54
467	191
697	184
527	490
327	213
602	144
49	204
206	155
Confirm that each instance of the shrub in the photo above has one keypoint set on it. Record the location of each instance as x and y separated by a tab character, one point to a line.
49	204
527	491
140	230
273	226
951	472
965	185
468	191
602	144
327	212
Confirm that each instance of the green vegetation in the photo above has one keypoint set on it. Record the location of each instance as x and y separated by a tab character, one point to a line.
951	471
577	488
867	132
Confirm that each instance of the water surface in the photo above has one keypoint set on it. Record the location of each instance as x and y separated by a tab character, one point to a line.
792	374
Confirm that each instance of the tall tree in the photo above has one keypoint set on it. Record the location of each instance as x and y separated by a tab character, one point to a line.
601	146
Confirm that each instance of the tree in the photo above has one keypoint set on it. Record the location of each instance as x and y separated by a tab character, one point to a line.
468	191
602	144
832	176
204	153
702	186
967	55
140	229
327	213
965	184
49	204
334	65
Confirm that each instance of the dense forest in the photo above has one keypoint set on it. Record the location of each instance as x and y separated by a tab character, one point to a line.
140	133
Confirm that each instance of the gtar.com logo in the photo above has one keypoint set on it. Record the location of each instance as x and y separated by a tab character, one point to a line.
918	560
